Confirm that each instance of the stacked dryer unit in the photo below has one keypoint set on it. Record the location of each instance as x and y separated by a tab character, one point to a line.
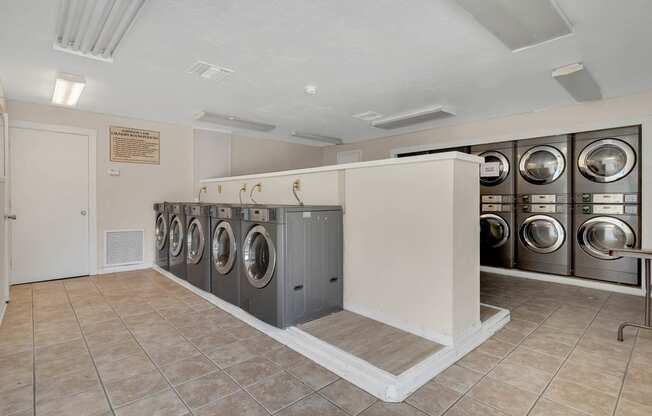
198	255
225	252
177	240
496	204
607	211
161	227
543	212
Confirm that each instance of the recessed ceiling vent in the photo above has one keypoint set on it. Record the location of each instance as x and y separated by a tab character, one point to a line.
209	71
368	116
94	28
520	24
317	137
233	121
579	83
414	117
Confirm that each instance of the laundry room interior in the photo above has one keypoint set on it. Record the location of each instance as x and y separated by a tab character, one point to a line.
300	208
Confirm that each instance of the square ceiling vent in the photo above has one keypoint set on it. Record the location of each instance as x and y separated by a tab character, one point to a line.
94	28
209	71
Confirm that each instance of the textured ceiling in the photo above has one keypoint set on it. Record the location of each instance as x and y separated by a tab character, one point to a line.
382	55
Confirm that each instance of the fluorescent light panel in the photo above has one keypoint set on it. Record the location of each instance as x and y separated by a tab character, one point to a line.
317	137
68	89
519	24
579	83
94	28
413	117
233	121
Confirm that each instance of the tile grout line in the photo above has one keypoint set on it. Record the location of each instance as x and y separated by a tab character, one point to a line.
33	352
81	331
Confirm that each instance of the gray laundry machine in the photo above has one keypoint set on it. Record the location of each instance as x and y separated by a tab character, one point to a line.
291	263
607	166
543	172
497	185
161	226
225	252
544	244
497	230
198	255
177	240
599	228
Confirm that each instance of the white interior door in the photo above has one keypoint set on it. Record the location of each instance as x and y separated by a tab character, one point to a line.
50	198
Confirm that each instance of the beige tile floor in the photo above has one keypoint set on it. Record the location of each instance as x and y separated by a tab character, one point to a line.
136	343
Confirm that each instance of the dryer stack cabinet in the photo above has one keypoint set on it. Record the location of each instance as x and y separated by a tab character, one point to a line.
314	266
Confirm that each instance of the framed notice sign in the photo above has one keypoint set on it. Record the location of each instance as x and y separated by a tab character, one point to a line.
134	145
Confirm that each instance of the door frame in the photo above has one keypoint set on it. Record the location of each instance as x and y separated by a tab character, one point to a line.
92	184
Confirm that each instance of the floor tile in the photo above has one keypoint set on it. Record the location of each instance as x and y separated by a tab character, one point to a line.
507	398
285	357
313	374
593	377
580	398
16	370
240	404
206	389
638	385
433	398
15	400
458	378
392	409
127	367
133	388
168	354
627	408
469	407
348	396
212	341
252	371
88	403
165	403
547	408
184	370
67	384
278	391
231	354
114	352
521	376
312	405
496	348
478	361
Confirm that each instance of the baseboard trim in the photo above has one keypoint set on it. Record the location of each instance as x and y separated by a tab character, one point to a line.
565	280
383	385
117	269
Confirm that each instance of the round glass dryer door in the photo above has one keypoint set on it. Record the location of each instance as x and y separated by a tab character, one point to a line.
259	256
161	232
606	160
223	247
195	241
542	165
494	230
542	234
176	236
503	168
598	235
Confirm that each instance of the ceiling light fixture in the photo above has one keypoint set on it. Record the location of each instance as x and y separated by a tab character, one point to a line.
233	121
94	28
579	83
520	24
414	117
317	137
368	116
68	89
310	89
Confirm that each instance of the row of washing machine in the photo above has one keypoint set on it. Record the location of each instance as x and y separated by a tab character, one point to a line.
282	264
558	204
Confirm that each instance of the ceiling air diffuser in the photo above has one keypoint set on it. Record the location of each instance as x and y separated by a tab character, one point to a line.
317	137
233	121
94	28
579	83
413	117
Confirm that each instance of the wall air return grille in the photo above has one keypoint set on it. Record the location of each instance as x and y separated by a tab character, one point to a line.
233	121
123	247
413	117
94	28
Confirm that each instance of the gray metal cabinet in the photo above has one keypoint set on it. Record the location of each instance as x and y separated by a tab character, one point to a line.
314	264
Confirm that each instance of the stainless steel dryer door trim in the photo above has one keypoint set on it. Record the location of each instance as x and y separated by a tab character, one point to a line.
530	244
503	225
176	243
249	259
559	159
493	181
584	240
224	267
161	231
194	254
585	155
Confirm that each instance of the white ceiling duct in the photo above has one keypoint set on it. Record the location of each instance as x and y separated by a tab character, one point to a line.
579	83
233	121
317	137
413	117
94	28
520	24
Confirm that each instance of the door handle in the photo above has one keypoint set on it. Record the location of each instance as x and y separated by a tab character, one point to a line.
83	212
10	216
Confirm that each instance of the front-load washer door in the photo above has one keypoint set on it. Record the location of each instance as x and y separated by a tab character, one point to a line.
161	231
195	241
258	256
223	247
542	165
503	168
606	160
494	230
598	235
542	234
176	236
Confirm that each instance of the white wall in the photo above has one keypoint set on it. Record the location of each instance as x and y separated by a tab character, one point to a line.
125	201
212	156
